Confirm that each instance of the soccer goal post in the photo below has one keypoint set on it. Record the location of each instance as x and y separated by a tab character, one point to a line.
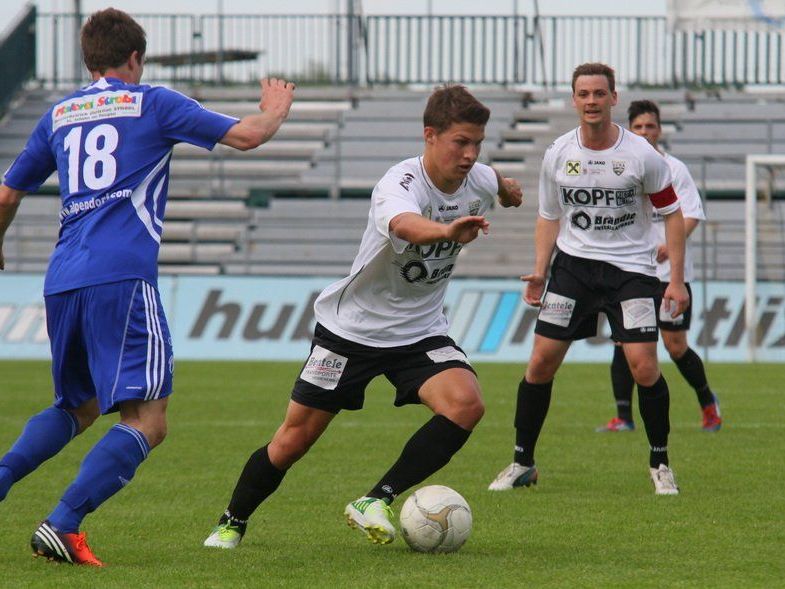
755	163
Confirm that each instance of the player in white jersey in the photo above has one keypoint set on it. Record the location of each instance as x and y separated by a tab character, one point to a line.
387	317
599	187
644	120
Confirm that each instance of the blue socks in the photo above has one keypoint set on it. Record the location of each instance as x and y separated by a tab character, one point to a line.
44	436
106	469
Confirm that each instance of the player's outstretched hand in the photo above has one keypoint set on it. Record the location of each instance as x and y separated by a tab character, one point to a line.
511	193
535	288
466	229
676	299
277	96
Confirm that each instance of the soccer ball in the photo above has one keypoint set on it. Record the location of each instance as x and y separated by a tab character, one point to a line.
436	519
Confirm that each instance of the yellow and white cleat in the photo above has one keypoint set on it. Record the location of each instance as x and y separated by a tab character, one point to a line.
371	516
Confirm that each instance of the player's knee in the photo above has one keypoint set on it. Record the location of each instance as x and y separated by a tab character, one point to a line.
466	412
676	349
156	435
542	367
85	415
540	370
289	445
475	411
153	428
645	372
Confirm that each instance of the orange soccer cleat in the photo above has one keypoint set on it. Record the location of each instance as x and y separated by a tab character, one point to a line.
48	542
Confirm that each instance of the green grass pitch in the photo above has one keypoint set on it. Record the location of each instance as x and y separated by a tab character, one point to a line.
593	520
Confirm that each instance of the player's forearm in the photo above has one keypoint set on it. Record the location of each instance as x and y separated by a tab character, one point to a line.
9	203
417	229
254	130
545	234
675	238
689	226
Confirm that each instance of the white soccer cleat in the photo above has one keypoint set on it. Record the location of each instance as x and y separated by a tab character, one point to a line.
664	482
515	475
372	516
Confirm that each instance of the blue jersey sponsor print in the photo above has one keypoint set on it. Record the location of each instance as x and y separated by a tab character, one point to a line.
110	143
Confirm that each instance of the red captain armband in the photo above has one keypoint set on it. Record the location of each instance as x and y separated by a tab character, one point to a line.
663	198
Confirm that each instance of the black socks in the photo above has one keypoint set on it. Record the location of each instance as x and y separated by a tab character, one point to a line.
428	450
654	404
623	384
258	481
533	403
691	367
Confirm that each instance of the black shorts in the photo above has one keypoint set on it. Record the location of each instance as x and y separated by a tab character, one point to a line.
336	373
580	288
680	323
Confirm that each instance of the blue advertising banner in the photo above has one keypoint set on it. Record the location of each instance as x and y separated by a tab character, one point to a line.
271	318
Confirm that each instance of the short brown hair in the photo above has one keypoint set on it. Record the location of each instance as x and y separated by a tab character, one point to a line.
109	37
452	103
595	69
639	107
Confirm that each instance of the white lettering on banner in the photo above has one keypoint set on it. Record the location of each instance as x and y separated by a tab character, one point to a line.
446	354
271	318
557	309
324	368
639	314
29	317
5	314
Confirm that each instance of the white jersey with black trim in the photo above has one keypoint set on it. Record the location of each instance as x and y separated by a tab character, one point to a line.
691	208
394	294
601	199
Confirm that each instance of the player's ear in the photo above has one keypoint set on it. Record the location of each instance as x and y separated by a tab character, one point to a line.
132	63
429	134
615	98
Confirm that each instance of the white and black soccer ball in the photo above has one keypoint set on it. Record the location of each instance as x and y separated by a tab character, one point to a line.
436	519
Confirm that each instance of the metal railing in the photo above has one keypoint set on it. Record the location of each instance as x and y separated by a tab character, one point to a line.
371	50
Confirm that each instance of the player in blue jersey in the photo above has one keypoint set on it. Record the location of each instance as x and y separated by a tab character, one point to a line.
110	143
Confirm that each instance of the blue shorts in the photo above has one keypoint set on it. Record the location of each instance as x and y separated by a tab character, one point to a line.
109	341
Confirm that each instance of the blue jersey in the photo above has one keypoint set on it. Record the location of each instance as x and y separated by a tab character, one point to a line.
110	143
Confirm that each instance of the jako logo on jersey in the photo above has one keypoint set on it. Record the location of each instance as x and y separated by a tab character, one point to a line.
406	180
443	208
597	197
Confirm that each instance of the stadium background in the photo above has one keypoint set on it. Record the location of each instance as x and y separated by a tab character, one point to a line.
250	239
291	213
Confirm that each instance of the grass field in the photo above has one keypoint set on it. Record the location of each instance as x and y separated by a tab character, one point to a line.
593	520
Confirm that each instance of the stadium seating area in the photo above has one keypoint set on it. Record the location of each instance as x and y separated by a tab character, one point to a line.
269	211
